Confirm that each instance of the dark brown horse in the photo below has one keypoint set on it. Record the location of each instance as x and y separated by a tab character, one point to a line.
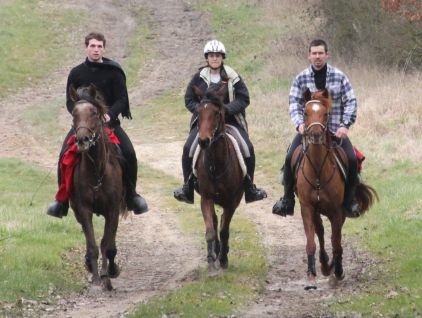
219	174
320	188
97	183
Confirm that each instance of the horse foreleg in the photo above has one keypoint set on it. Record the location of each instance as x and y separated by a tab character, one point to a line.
109	268
208	212
226	218
323	256
309	226
217	242
336	227
91	256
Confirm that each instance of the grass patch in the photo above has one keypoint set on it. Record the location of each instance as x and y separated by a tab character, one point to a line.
137	49
32	36
391	232
33	245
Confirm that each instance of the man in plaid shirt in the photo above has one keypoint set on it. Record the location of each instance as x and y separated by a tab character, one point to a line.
317	76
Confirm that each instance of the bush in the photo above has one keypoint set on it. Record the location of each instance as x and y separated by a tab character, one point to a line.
370	32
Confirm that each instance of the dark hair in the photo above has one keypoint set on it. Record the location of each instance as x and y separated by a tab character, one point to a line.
319	42
95	35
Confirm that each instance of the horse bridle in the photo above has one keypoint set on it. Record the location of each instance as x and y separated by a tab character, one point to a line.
93	138
217	132
216	135
314	139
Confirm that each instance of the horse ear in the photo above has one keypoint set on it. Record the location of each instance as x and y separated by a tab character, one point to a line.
92	90
197	92
307	96
221	92
325	93
73	94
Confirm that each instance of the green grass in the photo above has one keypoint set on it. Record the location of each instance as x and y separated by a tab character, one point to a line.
32	37
32	245
138	49
391	231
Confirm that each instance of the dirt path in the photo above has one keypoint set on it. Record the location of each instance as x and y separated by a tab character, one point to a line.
149	244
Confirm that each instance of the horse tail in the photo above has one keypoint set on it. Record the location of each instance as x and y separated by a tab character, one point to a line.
366	196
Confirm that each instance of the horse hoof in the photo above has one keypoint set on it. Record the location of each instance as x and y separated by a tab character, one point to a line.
212	270
113	271
310	287
106	283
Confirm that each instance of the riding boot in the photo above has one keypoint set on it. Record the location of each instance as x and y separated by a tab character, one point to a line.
185	193
350	205
58	209
134	201
286	204
252	193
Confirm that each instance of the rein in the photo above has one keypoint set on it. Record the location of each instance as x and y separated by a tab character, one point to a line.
311	139
93	140
217	134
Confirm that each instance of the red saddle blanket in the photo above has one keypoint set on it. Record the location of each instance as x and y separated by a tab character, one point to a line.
68	162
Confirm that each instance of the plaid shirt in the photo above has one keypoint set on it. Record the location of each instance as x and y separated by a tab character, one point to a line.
344	101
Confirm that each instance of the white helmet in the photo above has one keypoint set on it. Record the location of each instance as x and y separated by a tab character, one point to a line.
214	46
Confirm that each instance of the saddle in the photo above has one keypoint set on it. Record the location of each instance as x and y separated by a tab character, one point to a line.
339	156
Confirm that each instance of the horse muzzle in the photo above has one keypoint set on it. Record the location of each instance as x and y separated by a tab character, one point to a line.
204	143
316	139
83	143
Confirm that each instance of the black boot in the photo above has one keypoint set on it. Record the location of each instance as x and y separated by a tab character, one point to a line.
286	204
350	205
137	204
252	193
58	209
185	193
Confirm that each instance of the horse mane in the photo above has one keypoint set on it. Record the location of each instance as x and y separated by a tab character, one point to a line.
91	95
212	96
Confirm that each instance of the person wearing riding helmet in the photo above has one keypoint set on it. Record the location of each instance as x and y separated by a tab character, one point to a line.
317	76
235	102
109	78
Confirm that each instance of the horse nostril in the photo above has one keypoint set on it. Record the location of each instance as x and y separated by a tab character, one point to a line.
204	143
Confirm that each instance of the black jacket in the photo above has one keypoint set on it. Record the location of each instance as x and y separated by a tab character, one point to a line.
234	108
109	79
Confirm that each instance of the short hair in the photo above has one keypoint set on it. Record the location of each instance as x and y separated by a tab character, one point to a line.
318	42
95	35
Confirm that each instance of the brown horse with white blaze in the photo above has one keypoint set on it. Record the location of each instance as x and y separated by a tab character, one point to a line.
219	175
97	185
320	188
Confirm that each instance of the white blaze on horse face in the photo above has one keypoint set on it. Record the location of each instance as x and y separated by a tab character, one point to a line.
316	107
206	105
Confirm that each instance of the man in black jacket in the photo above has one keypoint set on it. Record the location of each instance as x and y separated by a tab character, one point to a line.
110	80
235	103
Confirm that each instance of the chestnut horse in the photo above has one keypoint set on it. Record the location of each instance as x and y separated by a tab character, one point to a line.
97	185
320	188
219	175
